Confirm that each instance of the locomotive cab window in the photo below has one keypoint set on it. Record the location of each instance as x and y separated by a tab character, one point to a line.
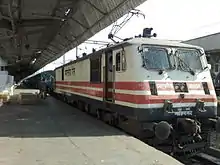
188	59
120	61
156	58
95	70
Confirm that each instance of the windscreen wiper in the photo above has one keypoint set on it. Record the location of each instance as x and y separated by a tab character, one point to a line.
183	62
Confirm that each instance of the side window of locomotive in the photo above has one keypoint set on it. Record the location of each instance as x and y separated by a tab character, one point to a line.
123	61
120	61
95	70
110	63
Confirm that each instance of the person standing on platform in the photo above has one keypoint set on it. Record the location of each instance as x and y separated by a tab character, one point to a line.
43	88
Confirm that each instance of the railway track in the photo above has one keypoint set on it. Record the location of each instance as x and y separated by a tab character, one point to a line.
202	159
210	157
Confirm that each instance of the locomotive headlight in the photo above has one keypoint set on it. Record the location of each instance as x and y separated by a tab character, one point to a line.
182	87
176	87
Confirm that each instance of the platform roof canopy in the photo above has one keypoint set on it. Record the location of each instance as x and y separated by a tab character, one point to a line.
45	29
209	43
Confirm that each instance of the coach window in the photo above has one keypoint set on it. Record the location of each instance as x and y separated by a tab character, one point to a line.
95	70
120	61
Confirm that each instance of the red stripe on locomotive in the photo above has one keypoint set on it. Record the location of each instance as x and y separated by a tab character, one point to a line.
82	91
143	99
135	85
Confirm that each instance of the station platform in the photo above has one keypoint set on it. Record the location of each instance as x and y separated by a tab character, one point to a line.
54	133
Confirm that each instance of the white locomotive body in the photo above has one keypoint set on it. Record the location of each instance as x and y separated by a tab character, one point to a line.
159	89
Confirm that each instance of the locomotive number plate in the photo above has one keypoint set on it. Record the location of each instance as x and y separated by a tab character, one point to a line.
181	112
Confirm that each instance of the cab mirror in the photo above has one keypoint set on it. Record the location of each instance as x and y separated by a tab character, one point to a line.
209	66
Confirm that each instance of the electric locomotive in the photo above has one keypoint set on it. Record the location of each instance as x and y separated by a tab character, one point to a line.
157	90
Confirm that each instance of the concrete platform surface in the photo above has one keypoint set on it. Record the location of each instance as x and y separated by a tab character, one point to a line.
17	91
54	133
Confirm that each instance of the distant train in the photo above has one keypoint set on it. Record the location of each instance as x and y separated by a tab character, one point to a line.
159	91
34	81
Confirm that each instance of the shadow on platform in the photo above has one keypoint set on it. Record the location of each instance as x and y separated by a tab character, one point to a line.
50	118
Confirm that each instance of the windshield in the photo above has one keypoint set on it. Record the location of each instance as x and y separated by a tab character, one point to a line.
188	59
155	58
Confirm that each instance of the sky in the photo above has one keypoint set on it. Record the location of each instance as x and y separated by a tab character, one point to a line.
171	19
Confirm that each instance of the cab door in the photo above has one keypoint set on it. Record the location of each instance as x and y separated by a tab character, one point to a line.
109	77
